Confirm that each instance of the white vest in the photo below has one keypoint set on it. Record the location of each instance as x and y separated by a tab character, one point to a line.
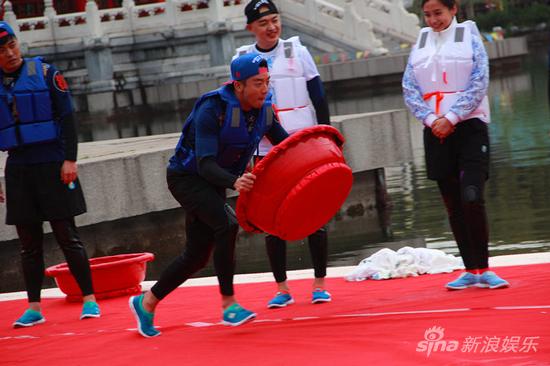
442	64
289	88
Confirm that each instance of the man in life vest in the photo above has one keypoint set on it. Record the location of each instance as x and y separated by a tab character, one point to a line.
37	129
217	142
300	101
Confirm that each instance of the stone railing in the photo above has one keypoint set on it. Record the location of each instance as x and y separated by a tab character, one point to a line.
128	20
389	17
334	19
348	22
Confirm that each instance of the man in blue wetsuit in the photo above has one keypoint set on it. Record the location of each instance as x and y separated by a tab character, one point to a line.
218	139
37	129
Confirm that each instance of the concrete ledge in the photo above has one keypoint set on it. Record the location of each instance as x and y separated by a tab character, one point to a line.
375	140
120	178
126	177
396	63
510	47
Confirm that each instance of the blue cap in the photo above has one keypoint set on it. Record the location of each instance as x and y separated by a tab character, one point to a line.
6	32
247	65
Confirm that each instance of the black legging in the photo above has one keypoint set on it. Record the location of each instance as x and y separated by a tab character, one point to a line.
463	197
209	224
32	258
318	248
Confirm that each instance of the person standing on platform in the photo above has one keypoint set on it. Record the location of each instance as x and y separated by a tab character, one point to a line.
37	129
445	86
217	142
300	100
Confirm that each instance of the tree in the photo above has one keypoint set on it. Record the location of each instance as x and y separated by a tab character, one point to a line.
469	7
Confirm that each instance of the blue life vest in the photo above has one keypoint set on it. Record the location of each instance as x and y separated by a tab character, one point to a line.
33	104
235	145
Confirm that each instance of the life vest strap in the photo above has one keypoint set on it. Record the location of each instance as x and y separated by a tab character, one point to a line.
439	95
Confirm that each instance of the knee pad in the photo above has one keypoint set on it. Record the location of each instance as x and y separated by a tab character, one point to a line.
231	215
233	227
233	222
471	194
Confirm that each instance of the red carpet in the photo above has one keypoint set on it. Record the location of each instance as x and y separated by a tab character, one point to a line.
368	323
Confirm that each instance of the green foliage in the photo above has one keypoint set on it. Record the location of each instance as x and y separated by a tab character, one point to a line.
519	17
523	17
487	21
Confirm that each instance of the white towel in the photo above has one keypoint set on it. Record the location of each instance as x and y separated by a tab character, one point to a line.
407	261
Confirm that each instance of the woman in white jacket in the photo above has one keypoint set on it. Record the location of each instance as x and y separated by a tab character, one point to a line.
445	86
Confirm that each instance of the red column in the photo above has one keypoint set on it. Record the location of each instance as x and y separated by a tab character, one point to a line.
80	5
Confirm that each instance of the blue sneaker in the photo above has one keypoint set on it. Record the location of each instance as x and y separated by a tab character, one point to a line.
320	296
29	318
144	318
492	280
280	300
463	281
90	309
237	315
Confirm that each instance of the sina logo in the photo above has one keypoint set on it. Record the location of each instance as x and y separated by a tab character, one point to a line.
434	342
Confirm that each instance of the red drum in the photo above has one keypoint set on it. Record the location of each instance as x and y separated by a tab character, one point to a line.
117	275
299	186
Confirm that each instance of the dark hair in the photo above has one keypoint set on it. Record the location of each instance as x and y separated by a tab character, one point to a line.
6	40
447	3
